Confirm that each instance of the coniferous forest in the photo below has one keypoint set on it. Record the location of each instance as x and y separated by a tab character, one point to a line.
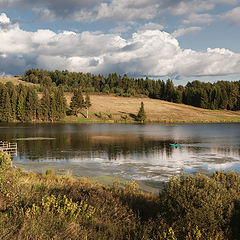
219	95
22	103
47	102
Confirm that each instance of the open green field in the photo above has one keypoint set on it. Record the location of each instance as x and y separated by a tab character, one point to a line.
112	108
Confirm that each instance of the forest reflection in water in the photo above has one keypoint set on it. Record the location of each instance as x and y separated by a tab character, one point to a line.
139	152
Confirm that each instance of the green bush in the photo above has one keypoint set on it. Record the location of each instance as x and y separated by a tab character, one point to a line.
62	207
199	201
49	172
5	161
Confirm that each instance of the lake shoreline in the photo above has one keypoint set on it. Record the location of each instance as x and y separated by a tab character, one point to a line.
80	120
108	180
90	121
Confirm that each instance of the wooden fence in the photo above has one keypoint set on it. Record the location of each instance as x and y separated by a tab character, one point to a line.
9	147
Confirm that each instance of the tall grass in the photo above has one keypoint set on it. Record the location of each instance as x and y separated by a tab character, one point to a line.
47	206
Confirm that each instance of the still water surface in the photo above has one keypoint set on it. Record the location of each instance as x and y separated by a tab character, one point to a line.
139	152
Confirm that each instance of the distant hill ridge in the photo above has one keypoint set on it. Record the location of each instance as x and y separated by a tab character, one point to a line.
109	107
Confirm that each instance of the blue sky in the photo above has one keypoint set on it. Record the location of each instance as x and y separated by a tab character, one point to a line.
180	39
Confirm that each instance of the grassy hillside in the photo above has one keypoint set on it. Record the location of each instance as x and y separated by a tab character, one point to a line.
112	108
121	108
15	81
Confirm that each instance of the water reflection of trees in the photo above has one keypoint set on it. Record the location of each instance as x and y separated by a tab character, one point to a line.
65	148
75	145
78	142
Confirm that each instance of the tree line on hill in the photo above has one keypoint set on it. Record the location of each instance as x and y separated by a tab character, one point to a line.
25	104
22	103
219	95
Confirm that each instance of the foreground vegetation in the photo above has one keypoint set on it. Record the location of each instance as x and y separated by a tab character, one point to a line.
47	206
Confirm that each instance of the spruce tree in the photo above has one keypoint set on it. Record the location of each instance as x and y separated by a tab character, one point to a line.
1	101
77	102
21	107
53	108
14	104
13	99
61	102
141	116
7	116
35	99
87	103
204	99
31	104
45	105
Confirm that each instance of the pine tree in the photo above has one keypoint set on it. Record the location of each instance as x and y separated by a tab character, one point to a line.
169	91
77	101
14	104
13	99
1	101
7	116
141	116
203	99
61	102
31	104
45	105
21	107
223	99
53	108
87	103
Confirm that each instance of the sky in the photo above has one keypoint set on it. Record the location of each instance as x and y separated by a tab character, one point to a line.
179	39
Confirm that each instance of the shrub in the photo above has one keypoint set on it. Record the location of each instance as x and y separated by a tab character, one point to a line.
141	116
5	161
188	202
63	207
40	206
49	172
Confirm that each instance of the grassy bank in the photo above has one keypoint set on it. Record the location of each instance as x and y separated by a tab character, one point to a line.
109	108
47	206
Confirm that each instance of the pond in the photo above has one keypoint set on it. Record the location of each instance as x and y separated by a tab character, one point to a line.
127	151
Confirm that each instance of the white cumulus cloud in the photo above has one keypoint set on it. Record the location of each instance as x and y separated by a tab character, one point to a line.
147	52
4	19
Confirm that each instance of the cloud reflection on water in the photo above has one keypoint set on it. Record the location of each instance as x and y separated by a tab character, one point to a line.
130	151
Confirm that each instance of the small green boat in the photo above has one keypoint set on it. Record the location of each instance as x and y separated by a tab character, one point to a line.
174	144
